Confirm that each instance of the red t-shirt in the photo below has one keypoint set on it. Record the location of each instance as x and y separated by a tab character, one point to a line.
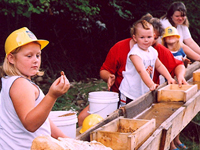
116	61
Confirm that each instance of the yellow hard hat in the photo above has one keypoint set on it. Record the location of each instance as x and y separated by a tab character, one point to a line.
170	31
90	121
21	37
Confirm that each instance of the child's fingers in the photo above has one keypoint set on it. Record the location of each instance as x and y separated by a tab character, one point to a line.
67	81
157	86
62	79
153	87
57	81
62	73
108	85
179	85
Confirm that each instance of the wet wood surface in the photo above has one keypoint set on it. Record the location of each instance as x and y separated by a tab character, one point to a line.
160	112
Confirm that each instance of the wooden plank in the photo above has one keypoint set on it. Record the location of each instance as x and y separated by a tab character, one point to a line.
195	82
127	133
190	69
192	108
190	92
196	75
111	126
145	101
174	93
183	115
177	122
114	140
153	142
142	134
138	106
160	111
161	138
166	137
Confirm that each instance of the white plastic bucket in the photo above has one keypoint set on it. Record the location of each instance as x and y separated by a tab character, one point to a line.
103	102
65	121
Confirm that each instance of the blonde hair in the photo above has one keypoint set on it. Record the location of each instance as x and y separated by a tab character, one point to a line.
146	25
9	69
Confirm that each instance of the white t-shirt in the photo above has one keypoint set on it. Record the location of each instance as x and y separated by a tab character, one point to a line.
183	30
13	135
132	85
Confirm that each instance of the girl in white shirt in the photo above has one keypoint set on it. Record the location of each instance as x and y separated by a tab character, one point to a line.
24	108
140	64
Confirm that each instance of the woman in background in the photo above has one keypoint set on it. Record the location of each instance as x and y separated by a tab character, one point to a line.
176	17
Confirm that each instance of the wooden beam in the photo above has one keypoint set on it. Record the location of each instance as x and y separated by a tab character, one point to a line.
190	69
137	106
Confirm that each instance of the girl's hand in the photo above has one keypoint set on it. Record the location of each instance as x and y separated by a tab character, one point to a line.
186	62
59	87
171	81
153	87
181	81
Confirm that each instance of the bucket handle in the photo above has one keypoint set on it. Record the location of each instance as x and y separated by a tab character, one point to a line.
97	110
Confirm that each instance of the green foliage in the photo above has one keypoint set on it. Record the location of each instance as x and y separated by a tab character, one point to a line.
81	32
120	8
79	91
27	7
197	118
21	7
191	144
193	17
82	6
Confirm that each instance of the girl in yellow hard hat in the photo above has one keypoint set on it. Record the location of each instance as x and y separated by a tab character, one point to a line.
170	40
24	109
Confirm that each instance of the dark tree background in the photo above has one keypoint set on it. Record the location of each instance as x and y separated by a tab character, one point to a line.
81	32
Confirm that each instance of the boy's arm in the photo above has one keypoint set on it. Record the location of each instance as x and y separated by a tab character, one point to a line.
163	71
137	62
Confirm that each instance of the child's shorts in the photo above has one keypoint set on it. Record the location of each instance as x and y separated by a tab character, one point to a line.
124	100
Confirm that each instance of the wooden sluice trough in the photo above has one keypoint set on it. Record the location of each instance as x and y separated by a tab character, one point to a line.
171	117
124	133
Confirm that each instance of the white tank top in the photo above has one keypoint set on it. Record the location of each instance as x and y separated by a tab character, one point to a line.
13	135
132	85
